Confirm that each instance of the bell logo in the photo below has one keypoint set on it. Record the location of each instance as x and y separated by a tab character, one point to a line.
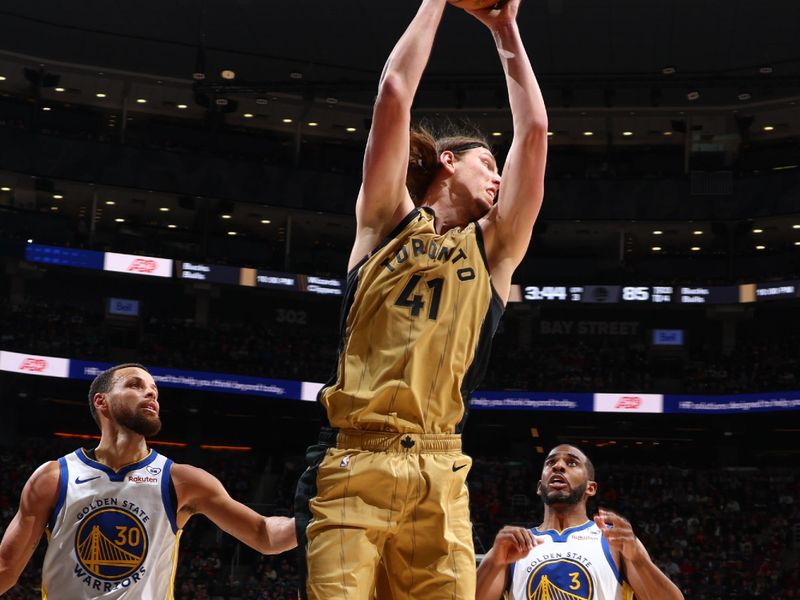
33	365
628	403
143	265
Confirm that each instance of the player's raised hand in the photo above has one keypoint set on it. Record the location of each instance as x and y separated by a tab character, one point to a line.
514	543
619	533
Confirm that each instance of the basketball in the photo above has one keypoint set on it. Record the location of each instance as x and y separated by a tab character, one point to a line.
476	4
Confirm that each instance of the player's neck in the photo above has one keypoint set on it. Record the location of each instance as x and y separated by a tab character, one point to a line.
560	518
120	447
449	212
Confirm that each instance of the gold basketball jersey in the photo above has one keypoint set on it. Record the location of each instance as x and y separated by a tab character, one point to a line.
418	316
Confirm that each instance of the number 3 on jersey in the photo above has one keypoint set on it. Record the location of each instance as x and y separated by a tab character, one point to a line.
415	302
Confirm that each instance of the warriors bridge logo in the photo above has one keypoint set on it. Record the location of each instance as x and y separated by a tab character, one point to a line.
111	544
560	579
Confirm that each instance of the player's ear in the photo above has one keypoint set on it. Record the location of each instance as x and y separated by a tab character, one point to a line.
447	159
100	402
591	488
539	488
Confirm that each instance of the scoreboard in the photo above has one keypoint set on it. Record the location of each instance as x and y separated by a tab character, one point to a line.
660	294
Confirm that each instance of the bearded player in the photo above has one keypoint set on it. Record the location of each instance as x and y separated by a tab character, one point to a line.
570	556
114	514
437	241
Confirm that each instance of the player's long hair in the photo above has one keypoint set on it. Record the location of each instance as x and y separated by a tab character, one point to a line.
427	144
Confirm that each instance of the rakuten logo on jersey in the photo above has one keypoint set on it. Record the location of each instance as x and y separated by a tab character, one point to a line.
139	265
641	403
31	364
147	479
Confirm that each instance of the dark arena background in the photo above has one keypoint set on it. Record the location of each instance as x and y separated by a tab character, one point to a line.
178	185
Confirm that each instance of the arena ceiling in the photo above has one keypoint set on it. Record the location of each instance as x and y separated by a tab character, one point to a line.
596	58
568	40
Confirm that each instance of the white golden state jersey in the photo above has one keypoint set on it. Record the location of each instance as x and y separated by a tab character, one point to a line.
112	534
574	564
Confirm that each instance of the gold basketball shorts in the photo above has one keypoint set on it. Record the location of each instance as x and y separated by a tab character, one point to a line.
386	515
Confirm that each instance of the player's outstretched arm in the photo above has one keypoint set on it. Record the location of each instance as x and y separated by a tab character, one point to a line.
36	504
509	224
646	579
384	200
199	492
510	545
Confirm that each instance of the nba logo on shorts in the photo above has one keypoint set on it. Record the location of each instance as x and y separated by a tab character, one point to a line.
111	544
560	578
